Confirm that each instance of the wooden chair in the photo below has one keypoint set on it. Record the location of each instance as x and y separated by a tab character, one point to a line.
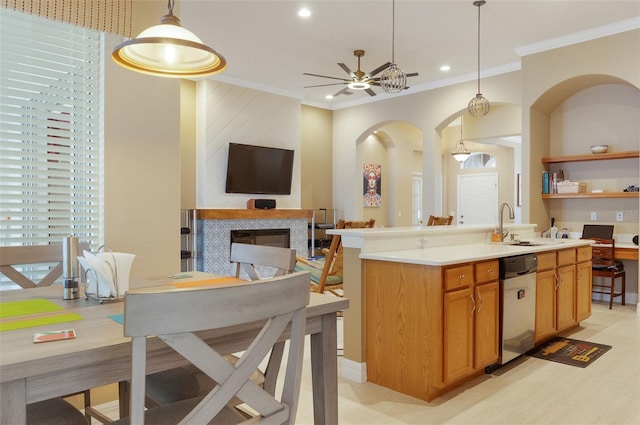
326	273
605	266
439	221
46	256
186	382
169	316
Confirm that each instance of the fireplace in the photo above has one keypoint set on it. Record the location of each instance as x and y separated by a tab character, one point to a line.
275	227
271	237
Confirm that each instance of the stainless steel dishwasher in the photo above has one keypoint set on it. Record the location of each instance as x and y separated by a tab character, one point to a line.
518	305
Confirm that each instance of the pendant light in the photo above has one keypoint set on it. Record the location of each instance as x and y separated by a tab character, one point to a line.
169	50
392	79
479	105
460	153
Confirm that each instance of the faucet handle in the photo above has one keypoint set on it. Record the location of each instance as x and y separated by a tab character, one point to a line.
514	237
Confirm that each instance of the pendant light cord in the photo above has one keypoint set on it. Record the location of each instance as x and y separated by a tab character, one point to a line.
393	32
479	3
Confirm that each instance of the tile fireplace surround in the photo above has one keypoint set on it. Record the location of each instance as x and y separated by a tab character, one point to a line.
214	226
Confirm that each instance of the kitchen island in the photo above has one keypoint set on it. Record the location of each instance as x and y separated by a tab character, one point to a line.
424	314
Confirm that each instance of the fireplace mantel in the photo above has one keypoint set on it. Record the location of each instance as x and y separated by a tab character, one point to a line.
239	214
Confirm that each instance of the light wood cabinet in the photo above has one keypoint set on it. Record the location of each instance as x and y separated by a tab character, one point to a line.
583	283
566	297
563	291
471	319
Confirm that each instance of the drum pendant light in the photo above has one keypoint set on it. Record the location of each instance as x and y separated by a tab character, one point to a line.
169	50
479	105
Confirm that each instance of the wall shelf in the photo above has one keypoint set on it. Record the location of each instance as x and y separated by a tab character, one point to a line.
589	195
591	157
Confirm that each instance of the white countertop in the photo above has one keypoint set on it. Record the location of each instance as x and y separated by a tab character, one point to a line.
454	254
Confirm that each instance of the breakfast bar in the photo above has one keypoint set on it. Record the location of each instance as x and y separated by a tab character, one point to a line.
420	295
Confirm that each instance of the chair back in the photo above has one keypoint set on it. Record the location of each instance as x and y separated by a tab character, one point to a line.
11	256
603	253
439	221
247	256
169	316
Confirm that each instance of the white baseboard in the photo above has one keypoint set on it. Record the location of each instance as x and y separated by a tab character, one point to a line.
354	371
630	298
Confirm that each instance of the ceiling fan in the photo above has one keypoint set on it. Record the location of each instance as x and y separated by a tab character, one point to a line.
359	80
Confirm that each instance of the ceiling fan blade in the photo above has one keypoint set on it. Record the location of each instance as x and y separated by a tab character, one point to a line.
379	69
343	91
346	69
412	74
370	92
326	76
325	85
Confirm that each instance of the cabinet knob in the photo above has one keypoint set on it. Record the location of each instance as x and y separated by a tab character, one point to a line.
461	277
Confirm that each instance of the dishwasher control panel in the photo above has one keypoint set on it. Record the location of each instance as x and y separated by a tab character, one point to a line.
518	265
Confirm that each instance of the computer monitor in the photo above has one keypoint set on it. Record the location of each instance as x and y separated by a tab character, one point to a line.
601	231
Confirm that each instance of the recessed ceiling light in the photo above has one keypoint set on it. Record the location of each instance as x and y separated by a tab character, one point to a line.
304	12
329	96
445	68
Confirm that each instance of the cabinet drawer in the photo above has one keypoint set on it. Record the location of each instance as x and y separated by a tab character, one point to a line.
546	260
458	277
584	254
566	257
486	271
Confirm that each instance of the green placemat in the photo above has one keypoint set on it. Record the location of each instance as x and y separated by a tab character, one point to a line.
39	321
32	313
27	307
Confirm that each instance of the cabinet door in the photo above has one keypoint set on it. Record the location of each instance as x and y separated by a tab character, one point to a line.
583	290
487	317
545	305
459	309
566	297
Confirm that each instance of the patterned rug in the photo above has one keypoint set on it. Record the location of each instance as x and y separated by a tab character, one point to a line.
570	351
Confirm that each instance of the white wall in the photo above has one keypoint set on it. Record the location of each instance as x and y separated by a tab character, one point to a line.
228	113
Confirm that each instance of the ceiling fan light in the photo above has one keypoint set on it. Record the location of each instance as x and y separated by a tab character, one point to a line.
169	50
393	80
479	106
359	85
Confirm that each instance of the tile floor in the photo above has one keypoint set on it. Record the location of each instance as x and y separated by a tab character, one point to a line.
526	391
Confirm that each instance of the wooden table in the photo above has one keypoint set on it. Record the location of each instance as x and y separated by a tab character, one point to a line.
101	355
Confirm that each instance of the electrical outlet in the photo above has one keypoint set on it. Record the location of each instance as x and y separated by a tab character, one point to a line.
594	216
619	216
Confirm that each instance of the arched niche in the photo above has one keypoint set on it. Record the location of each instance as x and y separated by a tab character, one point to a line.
397	147
497	133
542	143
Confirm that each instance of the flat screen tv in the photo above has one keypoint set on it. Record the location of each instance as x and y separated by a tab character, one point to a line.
259	170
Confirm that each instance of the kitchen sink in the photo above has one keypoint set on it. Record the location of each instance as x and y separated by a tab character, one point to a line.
524	243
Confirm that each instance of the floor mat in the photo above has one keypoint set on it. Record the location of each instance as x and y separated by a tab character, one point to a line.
570	351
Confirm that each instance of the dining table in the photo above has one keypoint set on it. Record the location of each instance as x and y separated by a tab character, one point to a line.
100	354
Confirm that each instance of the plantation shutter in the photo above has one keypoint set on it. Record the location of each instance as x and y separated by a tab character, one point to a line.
50	131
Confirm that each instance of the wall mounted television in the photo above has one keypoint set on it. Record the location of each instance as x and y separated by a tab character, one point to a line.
259	170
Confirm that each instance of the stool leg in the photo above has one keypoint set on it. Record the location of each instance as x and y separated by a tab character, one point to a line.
623	287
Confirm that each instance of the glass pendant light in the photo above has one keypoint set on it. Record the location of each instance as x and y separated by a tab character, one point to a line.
169	50
392	79
460	153
479	105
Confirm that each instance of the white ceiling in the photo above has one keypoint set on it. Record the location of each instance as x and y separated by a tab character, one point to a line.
268	47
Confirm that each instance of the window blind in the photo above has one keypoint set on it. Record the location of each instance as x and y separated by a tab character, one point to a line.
50	131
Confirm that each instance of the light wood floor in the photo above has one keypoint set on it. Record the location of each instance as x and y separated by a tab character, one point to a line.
526	391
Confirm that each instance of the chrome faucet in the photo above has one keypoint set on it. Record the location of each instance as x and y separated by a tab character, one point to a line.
511	216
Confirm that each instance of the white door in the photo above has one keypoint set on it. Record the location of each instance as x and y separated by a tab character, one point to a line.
478	198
